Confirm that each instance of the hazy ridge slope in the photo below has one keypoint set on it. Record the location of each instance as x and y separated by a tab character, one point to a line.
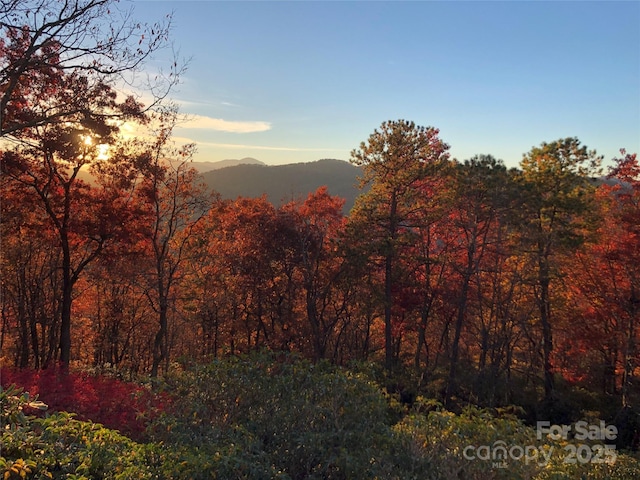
203	167
282	183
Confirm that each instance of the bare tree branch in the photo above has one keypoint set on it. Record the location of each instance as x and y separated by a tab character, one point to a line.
41	40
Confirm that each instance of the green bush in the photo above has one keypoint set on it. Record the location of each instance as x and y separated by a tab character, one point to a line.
58	446
267	417
441	437
280	417
480	444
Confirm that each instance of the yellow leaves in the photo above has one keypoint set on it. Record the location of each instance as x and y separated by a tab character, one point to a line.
37	404
18	469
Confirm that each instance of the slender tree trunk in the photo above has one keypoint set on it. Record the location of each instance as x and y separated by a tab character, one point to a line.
23	354
5	323
35	341
160	340
23	319
388	300
425	312
629	348
462	312
388	285
422	341
455	346
544	305
67	299
312	316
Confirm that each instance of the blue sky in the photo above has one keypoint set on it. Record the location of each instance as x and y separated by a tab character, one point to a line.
298	81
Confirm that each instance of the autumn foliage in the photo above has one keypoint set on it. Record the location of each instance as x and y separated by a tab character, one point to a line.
468	281
124	406
478	282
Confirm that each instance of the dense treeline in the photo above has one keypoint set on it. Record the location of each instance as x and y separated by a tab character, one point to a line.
479	279
465	279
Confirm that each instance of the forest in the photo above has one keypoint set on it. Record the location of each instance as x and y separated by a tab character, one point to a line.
454	294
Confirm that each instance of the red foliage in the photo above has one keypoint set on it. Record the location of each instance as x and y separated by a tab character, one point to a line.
122	406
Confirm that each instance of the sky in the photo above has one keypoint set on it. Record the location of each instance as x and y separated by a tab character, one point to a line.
297	81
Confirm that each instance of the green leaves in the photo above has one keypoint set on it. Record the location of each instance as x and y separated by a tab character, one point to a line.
60	447
399	154
277	415
397	161
267	416
555	183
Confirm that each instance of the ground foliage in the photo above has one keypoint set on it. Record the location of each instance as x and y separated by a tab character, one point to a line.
119	405
270	415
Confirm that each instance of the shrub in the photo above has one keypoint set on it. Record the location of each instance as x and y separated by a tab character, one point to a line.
441	438
477	444
263	417
118	405
59	446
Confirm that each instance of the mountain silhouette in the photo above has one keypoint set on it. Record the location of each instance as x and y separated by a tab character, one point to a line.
283	183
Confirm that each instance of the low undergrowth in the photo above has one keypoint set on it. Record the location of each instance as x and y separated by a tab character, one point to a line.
266	416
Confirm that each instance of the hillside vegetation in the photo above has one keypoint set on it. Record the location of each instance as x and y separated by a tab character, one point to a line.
453	319
269	416
284	183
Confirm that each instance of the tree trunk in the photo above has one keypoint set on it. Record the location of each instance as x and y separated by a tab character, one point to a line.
160	341
629	348
312	316
455	346
544	305
388	284
462	312
67	299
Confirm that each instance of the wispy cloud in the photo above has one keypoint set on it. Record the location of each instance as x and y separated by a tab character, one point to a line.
207	123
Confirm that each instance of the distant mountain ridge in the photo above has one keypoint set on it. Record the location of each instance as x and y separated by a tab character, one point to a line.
203	167
283	183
